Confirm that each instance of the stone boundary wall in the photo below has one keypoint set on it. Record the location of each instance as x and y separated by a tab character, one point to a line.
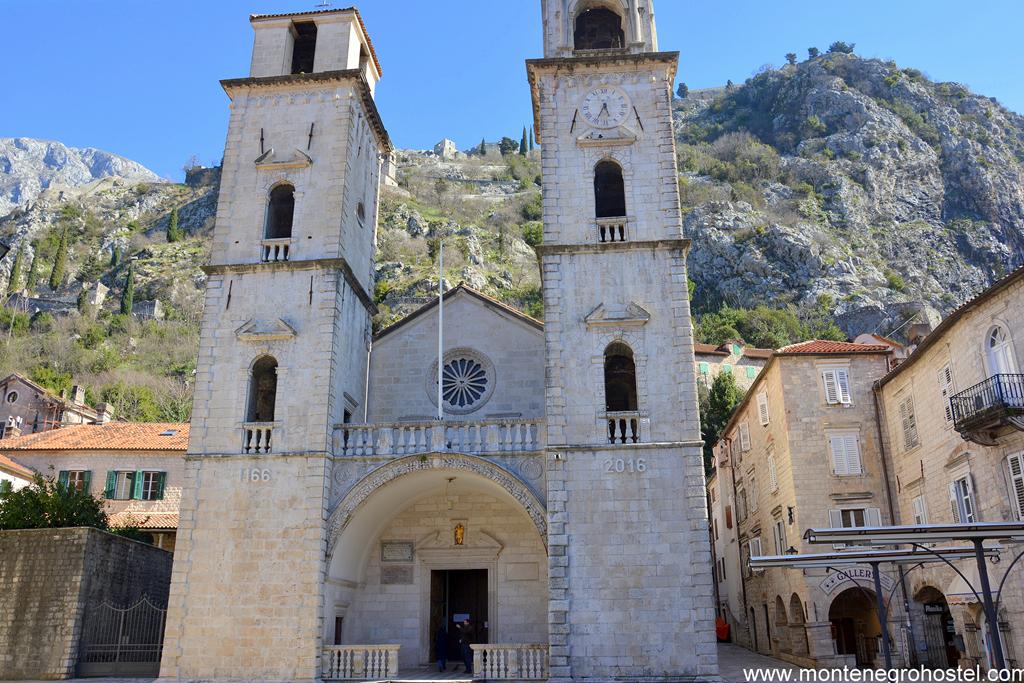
48	578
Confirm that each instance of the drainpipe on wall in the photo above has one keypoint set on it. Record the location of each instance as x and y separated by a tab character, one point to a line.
886	470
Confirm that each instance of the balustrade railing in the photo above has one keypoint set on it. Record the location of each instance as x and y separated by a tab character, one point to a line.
623	427
410	438
611	229
359	662
510	662
257	437
275	249
994	395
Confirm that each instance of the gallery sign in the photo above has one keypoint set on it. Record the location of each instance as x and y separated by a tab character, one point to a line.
860	575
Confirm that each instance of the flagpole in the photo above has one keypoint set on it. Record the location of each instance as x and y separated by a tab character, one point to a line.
440	328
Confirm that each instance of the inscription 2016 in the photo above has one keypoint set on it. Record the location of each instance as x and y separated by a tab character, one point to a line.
625	466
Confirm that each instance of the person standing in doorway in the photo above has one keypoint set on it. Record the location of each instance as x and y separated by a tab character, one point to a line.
441	648
466	638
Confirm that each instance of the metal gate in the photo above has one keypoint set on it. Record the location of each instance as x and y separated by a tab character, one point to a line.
122	642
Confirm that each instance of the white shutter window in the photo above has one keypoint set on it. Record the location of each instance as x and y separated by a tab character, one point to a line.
872	517
773	477
752	498
946	390
843	379
755	547
920	513
909	423
831	386
835	521
744	436
845	454
762	408
954	502
970	500
779	531
1016	466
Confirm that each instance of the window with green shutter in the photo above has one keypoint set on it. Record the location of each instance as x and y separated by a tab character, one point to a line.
751	372
137	493
111	488
705	368
62	478
726	369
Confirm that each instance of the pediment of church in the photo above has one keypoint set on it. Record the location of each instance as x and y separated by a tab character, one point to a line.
609	315
620	135
265	330
271	160
474	541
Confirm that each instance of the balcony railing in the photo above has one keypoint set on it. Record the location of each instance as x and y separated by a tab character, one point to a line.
623	427
612	229
411	438
359	662
987	404
510	662
257	437
275	250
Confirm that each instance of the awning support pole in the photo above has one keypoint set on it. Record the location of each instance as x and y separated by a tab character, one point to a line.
990	610
883	617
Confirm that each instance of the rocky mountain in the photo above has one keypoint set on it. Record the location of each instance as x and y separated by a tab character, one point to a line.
27	167
853	184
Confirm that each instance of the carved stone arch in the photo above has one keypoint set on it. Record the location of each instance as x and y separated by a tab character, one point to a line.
634	339
620	7
349	505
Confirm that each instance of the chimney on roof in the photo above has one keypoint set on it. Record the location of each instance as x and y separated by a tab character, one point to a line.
13	427
917	332
104	414
78	395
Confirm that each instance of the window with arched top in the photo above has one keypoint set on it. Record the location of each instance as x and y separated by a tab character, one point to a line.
280	212
303	47
598	28
609	190
619	379
999	351
361	213
262	390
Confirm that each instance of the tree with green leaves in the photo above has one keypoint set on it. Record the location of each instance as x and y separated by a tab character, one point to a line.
115	256
128	293
842	47
813	53
15	279
523	144
729	84
49	503
531	138
33	272
483	147
716	406
174	233
508	146
791	58
682	91
83	301
60	261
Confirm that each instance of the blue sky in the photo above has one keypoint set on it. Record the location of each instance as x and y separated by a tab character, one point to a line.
140	77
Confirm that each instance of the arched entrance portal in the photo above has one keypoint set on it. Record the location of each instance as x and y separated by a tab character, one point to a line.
855	626
424	543
939	631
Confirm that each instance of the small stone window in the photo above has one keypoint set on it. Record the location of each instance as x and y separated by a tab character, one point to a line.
304	49
12	397
619	379
262	390
463	382
599	29
609	190
280	212
361	213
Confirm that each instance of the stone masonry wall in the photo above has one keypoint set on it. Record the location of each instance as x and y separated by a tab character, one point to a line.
48	580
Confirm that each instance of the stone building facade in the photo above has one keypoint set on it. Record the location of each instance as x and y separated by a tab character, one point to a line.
802	450
137	468
29	408
953	416
733	358
334	517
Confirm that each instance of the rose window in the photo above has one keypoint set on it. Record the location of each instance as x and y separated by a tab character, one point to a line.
463	382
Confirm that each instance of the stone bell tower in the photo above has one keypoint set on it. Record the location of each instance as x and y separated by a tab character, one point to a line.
629	563
283	351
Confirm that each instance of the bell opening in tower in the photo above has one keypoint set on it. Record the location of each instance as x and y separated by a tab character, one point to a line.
599	29
304	48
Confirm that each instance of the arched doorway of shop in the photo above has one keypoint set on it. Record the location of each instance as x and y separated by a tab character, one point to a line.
855	627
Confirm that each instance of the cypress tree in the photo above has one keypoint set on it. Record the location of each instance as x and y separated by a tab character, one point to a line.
115	256
173	231
83	301
483	147
60	261
128	293
33	272
523	143
12	283
531	138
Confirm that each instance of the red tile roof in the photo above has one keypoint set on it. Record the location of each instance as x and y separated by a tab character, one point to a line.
821	346
15	468
708	349
113	436
144	520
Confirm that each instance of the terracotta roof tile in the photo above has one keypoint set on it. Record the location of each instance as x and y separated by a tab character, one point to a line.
821	346
113	436
15	468
708	349
144	520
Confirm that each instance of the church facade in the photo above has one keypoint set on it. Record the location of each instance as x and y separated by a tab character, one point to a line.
331	525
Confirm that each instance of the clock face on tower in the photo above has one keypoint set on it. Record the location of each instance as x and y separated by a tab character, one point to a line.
605	107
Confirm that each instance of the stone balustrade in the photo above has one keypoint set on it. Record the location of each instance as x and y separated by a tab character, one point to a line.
410	438
359	662
510	662
257	437
272	250
612	229
623	427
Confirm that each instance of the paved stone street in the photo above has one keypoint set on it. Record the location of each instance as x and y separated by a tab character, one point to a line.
733	659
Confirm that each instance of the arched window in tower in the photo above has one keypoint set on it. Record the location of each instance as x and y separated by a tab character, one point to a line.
620	394
610	201
280	212
262	390
304	47
599	29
